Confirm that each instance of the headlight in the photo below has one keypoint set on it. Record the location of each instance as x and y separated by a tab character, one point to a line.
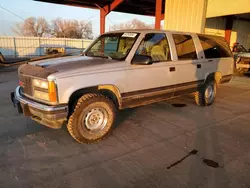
41	95
45	90
40	83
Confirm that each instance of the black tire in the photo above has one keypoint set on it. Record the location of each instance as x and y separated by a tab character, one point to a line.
86	116
204	99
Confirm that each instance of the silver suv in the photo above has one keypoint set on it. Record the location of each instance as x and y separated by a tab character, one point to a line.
119	70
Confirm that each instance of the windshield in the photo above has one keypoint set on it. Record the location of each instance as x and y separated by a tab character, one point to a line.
112	45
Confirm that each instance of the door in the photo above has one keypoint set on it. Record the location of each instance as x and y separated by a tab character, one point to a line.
188	64
152	82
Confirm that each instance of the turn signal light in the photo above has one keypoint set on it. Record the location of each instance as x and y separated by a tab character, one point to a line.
52	92
21	83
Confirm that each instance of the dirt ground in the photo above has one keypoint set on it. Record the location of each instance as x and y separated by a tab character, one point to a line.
159	145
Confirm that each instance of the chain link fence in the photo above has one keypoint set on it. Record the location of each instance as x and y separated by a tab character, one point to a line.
36	46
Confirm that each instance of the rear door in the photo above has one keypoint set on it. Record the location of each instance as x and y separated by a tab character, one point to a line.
187	67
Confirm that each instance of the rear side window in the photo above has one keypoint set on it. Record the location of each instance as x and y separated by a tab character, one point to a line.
185	47
214	47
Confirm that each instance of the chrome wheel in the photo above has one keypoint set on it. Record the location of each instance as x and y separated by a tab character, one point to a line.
96	119
209	93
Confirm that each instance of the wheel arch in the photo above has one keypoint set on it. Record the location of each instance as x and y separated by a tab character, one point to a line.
110	91
217	76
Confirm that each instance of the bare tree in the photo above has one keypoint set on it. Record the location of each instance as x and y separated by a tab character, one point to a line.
133	24
72	29
35	27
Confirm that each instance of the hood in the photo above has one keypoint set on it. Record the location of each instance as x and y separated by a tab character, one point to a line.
73	63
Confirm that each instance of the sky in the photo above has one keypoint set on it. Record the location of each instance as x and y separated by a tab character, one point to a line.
28	8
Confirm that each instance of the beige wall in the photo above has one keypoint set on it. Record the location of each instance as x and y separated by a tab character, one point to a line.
185	15
189	15
240	32
227	7
215	26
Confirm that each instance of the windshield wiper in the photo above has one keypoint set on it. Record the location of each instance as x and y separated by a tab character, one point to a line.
102	54
107	55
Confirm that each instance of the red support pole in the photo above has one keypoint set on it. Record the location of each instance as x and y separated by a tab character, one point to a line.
162	16
158	16
115	4
105	11
102	21
228	29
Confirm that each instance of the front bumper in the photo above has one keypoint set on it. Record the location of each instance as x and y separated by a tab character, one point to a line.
50	116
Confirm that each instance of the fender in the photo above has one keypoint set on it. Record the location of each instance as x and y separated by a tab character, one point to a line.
108	90
217	76
114	90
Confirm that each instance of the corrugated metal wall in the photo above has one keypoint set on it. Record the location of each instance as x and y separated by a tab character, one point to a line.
35	46
216	26
185	15
240	31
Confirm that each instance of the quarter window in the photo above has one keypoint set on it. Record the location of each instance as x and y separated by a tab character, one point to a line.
214	47
185	47
155	45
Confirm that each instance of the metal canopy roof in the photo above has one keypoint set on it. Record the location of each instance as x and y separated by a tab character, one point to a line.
142	7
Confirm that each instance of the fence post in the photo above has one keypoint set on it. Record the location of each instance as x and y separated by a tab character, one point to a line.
65	46
15	52
82	44
40	48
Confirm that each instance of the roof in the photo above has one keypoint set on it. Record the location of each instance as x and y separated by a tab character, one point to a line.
142	7
149	31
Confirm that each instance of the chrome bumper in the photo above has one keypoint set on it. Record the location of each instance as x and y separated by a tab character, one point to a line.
50	116
35	104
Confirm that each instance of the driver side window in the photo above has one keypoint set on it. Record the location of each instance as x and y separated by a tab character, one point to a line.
155	45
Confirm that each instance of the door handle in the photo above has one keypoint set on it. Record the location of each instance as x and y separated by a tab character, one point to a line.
210	60
172	69
198	66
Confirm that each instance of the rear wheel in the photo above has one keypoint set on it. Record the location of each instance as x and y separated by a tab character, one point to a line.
92	119
206	94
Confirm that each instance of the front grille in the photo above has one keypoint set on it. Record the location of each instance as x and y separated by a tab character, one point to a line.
27	84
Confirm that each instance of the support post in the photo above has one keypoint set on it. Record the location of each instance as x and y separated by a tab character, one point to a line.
104	11
158	15
15	52
102	21
162	16
228	29
40	48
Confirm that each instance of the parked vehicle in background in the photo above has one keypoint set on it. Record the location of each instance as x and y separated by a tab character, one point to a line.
119	70
242	59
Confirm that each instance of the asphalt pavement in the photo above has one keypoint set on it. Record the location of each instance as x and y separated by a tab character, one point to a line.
169	144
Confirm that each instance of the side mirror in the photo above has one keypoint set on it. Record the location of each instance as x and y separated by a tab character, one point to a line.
142	60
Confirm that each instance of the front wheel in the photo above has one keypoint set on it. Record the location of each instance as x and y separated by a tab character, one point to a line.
206	94
92	119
